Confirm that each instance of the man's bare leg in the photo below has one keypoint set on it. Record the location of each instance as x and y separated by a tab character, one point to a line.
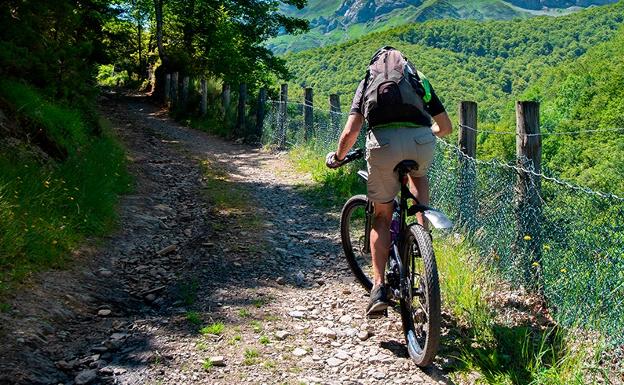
419	186
380	248
380	239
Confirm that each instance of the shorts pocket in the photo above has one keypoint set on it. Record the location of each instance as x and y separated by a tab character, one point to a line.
424	138
376	140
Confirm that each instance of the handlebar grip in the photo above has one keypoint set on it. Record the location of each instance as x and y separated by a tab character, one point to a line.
352	155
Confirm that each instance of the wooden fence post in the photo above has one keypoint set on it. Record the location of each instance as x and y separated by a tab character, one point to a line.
185	91
308	113
204	97
260	112
334	108
467	177
225	96
283	116
528	192
242	102
174	89
167	89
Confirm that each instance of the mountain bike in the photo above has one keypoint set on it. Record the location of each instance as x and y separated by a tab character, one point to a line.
411	272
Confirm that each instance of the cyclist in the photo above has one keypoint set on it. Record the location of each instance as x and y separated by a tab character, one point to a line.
400	128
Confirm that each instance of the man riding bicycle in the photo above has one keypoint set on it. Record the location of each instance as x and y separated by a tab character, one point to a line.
398	102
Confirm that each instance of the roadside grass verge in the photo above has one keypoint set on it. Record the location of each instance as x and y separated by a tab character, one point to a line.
500	350
49	206
331	187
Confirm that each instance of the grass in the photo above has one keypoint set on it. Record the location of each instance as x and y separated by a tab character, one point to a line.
269	364
193	317
259	302
187	290
207	364
502	354
264	340
235	340
214	328
332	187
50	205
250	357
256	326
244	313
201	346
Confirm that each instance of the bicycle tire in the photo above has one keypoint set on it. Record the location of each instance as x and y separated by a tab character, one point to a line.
422	353
346	234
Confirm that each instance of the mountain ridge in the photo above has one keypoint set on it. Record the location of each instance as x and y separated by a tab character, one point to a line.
335	21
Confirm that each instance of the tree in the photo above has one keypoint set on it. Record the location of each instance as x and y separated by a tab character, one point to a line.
221	38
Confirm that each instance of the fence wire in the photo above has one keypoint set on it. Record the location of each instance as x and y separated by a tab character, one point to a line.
538	232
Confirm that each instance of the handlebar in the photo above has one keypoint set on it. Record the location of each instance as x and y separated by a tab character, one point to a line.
352	155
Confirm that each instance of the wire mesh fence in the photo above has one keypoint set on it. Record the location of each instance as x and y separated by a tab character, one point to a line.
567	242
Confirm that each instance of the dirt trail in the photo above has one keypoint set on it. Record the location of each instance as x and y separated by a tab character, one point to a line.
270	270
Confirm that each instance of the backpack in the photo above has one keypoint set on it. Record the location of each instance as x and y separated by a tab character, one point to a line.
393	90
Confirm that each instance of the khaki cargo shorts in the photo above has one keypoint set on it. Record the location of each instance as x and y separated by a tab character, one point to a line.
387	147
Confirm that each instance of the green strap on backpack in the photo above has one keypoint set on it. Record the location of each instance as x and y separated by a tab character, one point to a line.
426	86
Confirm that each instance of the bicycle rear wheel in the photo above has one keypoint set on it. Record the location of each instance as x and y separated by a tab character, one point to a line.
420	302
354	232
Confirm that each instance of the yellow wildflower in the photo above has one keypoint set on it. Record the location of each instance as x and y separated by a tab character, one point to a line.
535	264
527	237
564	270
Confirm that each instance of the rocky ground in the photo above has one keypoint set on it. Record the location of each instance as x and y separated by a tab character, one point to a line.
221	272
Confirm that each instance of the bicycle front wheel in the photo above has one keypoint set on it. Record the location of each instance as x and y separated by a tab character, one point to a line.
420	301
355	234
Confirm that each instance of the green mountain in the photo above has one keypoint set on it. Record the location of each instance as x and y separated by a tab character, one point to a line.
334	21
493	63
586	94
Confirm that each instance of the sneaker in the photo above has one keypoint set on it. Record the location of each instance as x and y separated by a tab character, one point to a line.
378	303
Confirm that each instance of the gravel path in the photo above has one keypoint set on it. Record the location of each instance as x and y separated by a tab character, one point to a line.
266	277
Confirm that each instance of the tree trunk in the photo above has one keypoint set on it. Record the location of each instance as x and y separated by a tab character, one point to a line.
159	78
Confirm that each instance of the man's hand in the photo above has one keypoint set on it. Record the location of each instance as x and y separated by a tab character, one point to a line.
331	161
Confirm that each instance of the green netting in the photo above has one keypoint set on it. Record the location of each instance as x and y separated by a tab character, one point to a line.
538	232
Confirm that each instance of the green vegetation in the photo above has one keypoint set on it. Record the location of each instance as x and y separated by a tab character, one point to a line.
214	328
264	340
570	63
331	186
187	290
256	326
250	357
580	95
501	351
244	313
236	339
58	189
207	364
193	317
344	29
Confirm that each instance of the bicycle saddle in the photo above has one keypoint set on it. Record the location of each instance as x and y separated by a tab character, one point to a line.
406	166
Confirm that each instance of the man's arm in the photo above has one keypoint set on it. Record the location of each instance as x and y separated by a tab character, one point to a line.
442	126
349	134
